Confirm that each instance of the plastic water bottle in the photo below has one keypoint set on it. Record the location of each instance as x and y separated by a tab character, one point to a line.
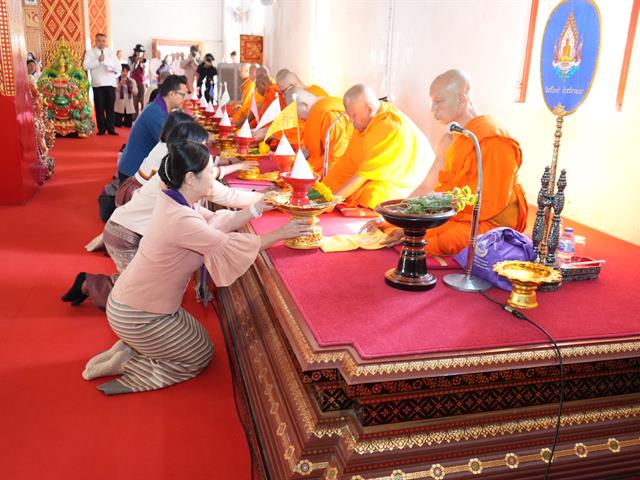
566	246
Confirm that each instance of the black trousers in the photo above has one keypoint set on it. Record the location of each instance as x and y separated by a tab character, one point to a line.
121	119
104	98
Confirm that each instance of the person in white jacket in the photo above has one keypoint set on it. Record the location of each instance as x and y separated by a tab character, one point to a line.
103	66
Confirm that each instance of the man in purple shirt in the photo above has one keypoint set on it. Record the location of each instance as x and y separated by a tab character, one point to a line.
146	129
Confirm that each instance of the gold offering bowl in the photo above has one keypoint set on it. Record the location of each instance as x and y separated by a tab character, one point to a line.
525	278
309	212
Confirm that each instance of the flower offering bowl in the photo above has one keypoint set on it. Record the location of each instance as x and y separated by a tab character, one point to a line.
526	277
411	272
285	162
242	144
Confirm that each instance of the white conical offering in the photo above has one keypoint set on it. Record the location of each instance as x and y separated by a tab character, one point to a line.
225	122
284	148
218	113
245	130
210	107
301	168
194	95
203	102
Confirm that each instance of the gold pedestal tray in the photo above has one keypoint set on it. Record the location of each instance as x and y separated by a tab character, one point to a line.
309	212
253	173
225	144
525	278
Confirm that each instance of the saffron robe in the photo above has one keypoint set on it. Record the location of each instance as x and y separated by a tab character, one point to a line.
317	90
320	117
392	154
503	200
246	90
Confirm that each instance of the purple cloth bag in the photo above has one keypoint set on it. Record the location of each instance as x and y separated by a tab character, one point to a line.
496	245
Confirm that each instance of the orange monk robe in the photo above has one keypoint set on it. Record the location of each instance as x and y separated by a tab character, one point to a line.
320	117
246	90
317	90
269	96
392	154
503	200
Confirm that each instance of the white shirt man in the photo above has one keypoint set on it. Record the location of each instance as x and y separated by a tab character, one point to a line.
103	67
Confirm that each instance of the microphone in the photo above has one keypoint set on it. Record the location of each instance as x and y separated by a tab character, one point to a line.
466	282
325	167
455	127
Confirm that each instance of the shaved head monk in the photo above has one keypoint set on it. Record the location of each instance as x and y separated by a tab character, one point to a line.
318	113
387	157
268	90
286	79
503	200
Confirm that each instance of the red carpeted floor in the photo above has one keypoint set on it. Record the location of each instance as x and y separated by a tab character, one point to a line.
54	424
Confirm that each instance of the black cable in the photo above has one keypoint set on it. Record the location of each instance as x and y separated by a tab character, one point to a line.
522	316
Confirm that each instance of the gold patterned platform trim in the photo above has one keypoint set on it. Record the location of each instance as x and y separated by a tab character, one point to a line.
511	461
492	430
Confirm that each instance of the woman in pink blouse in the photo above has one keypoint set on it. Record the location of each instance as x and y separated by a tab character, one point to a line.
161	343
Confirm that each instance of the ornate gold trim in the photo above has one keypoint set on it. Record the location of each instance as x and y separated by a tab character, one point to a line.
476	466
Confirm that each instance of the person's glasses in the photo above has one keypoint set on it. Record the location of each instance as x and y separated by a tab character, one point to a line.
182	94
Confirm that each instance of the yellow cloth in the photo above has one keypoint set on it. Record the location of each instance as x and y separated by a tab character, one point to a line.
345	243
392	154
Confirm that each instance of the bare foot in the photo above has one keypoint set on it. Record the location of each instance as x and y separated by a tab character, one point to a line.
107	354
113	366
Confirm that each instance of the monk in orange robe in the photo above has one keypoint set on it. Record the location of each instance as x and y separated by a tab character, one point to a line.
318	114
287	79
503	200
387	156
269	92
247	89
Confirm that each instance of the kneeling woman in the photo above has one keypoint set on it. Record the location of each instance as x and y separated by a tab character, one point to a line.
160	343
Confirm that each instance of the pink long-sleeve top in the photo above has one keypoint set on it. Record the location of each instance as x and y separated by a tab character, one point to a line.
179	239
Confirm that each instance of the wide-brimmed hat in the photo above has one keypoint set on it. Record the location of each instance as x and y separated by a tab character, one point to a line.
138	48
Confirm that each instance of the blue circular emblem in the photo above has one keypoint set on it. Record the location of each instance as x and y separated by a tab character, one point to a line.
569	59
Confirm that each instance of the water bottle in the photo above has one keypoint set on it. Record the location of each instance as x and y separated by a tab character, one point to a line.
566	246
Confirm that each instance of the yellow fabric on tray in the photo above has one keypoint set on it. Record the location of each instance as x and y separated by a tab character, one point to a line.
344	243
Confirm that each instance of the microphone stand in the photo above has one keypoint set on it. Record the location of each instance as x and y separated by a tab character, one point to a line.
465	282
325	167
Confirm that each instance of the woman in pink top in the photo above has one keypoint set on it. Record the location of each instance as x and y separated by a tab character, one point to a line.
160	343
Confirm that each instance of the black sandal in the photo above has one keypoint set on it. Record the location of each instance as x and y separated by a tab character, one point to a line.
75	295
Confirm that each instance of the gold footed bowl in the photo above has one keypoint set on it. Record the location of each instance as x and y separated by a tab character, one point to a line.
525	278
308	212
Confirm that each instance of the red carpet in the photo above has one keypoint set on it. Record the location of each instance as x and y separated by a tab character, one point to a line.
424	322
55	425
